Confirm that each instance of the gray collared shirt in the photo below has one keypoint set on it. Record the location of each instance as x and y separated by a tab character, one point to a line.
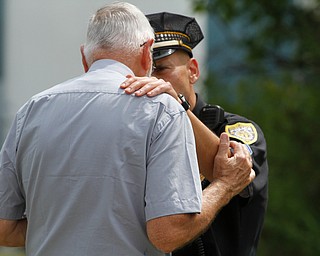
88	165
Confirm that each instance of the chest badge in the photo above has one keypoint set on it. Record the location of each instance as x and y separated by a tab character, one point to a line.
245	132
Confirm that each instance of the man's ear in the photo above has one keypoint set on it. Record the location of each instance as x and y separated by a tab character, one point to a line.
194	71
146	60
84	61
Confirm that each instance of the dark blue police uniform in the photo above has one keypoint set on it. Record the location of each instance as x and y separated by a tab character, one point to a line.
237	228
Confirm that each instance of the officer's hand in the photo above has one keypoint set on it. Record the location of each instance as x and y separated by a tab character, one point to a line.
150	86
233	172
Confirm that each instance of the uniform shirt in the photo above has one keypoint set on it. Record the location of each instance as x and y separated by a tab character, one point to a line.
237	228
88	165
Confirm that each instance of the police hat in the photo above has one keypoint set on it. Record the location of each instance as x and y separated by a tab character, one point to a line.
174	32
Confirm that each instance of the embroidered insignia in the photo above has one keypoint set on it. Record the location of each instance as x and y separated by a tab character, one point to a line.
245	132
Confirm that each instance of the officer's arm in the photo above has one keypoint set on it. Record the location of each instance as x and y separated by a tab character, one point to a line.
13	232
207	144
206	141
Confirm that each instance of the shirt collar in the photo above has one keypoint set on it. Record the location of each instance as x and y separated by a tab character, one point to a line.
111	64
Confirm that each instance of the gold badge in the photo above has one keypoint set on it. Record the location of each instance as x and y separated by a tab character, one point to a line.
245	132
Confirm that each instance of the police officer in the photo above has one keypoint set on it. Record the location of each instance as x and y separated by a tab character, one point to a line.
237	228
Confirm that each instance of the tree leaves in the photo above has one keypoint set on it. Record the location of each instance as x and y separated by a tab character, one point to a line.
274	80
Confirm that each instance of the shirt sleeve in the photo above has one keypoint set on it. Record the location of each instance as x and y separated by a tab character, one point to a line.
173	183
12	204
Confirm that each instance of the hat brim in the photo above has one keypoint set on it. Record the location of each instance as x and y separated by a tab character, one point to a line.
163	52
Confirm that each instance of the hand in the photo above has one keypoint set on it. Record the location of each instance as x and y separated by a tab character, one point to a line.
150	86
234	172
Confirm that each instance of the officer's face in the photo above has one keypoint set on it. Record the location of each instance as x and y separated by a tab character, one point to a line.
176	69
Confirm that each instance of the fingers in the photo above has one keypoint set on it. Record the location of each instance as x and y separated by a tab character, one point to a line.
224	145
150	86
241	151
157	87
127	82
234	171
133	84
252	175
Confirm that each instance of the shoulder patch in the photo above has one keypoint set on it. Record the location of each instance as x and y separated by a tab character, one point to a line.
245	132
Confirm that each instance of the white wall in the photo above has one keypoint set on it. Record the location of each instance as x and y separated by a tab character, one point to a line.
42	40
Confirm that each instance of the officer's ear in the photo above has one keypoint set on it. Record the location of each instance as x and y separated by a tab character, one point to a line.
194	71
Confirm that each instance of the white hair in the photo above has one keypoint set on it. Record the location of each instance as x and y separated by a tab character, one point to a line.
117	26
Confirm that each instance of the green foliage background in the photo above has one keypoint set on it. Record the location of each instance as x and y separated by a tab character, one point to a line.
278	87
